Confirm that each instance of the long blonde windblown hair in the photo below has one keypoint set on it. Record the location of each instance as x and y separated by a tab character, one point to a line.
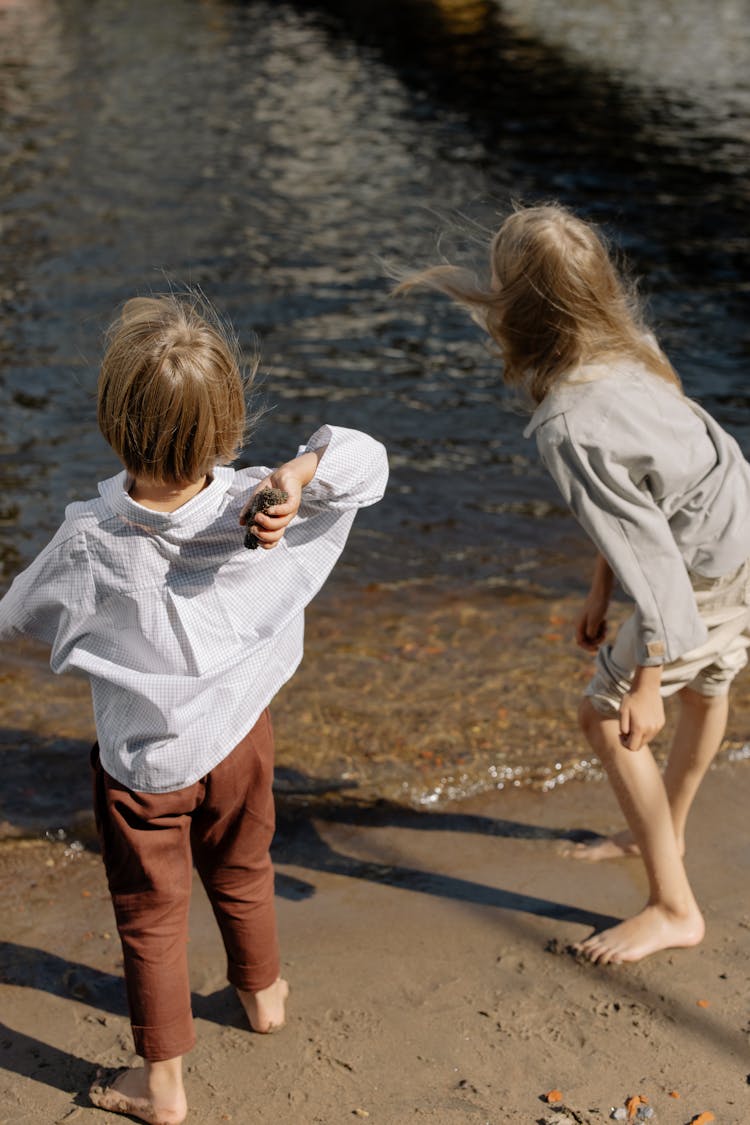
554	301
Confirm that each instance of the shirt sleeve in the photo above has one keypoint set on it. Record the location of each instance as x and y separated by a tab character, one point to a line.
49	600
617	510
352	474
353	471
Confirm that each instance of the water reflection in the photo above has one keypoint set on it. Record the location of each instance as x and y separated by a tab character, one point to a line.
697	50
273	152
270	152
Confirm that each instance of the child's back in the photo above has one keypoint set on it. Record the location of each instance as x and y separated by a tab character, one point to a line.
186	636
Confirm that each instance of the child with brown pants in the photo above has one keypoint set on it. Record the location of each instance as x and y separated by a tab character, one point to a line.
186	636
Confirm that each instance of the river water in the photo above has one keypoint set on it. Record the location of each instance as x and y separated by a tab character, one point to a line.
276	154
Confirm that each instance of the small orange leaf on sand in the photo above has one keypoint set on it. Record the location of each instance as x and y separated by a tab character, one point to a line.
703	1118
703	1003
553	1096
674	1093
633	1104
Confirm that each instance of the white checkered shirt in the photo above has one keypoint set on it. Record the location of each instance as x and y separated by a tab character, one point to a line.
186	635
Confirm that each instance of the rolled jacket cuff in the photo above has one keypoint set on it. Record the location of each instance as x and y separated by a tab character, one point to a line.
655	654
665	645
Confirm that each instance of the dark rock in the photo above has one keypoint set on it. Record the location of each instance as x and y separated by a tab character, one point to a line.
261	502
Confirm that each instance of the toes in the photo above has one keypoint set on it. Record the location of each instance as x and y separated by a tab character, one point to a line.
594	949
607	957
103	1091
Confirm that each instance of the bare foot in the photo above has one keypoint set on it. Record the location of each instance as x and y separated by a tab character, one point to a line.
265	1010
138	1093
645	933
620	846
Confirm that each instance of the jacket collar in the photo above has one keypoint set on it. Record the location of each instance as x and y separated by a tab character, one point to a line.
565	392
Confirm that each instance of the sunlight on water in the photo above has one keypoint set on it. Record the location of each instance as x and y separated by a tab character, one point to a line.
276	154
698	50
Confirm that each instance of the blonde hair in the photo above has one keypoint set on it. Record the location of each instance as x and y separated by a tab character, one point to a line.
555	300
171	394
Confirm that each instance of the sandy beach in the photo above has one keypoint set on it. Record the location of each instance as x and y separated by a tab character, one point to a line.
425	936
275	154
426	953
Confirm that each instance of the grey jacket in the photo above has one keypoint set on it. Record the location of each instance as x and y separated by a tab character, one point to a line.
657	484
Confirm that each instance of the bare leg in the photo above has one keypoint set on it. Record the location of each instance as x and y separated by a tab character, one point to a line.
266	1010
671	917
700	731
699	734
152	1093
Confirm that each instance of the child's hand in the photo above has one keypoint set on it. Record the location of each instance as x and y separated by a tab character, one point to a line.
291	477
268	526
642	710
591	626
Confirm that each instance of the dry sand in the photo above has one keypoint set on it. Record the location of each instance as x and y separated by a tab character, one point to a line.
424	986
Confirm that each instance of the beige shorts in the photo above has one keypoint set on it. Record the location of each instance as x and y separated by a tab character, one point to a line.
724	606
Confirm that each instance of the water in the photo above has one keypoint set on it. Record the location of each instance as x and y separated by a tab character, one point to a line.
274	153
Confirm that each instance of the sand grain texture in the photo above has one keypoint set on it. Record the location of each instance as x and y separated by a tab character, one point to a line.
430	983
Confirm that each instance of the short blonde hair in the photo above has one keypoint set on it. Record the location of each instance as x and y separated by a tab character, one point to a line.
171	394
554	301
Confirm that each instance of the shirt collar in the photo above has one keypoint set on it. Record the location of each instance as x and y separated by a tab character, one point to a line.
114	492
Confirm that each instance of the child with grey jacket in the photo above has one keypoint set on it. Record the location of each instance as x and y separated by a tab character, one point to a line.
664	494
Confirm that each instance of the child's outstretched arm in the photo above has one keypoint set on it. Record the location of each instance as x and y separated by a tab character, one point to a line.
291	477
337	472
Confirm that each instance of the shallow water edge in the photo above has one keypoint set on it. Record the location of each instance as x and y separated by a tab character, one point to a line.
414	696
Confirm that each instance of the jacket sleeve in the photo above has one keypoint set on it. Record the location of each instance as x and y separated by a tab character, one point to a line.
616	509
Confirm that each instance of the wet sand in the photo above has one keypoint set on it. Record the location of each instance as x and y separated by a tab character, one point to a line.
417	695
424	932
425	952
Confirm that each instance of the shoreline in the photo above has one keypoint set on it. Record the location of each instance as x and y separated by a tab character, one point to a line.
420	700
426	957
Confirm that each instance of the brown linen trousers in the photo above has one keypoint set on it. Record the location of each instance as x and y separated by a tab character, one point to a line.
223	824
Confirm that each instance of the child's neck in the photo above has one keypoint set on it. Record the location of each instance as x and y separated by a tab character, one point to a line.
165	497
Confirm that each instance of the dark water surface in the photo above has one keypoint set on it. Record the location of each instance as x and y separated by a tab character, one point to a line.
274	152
